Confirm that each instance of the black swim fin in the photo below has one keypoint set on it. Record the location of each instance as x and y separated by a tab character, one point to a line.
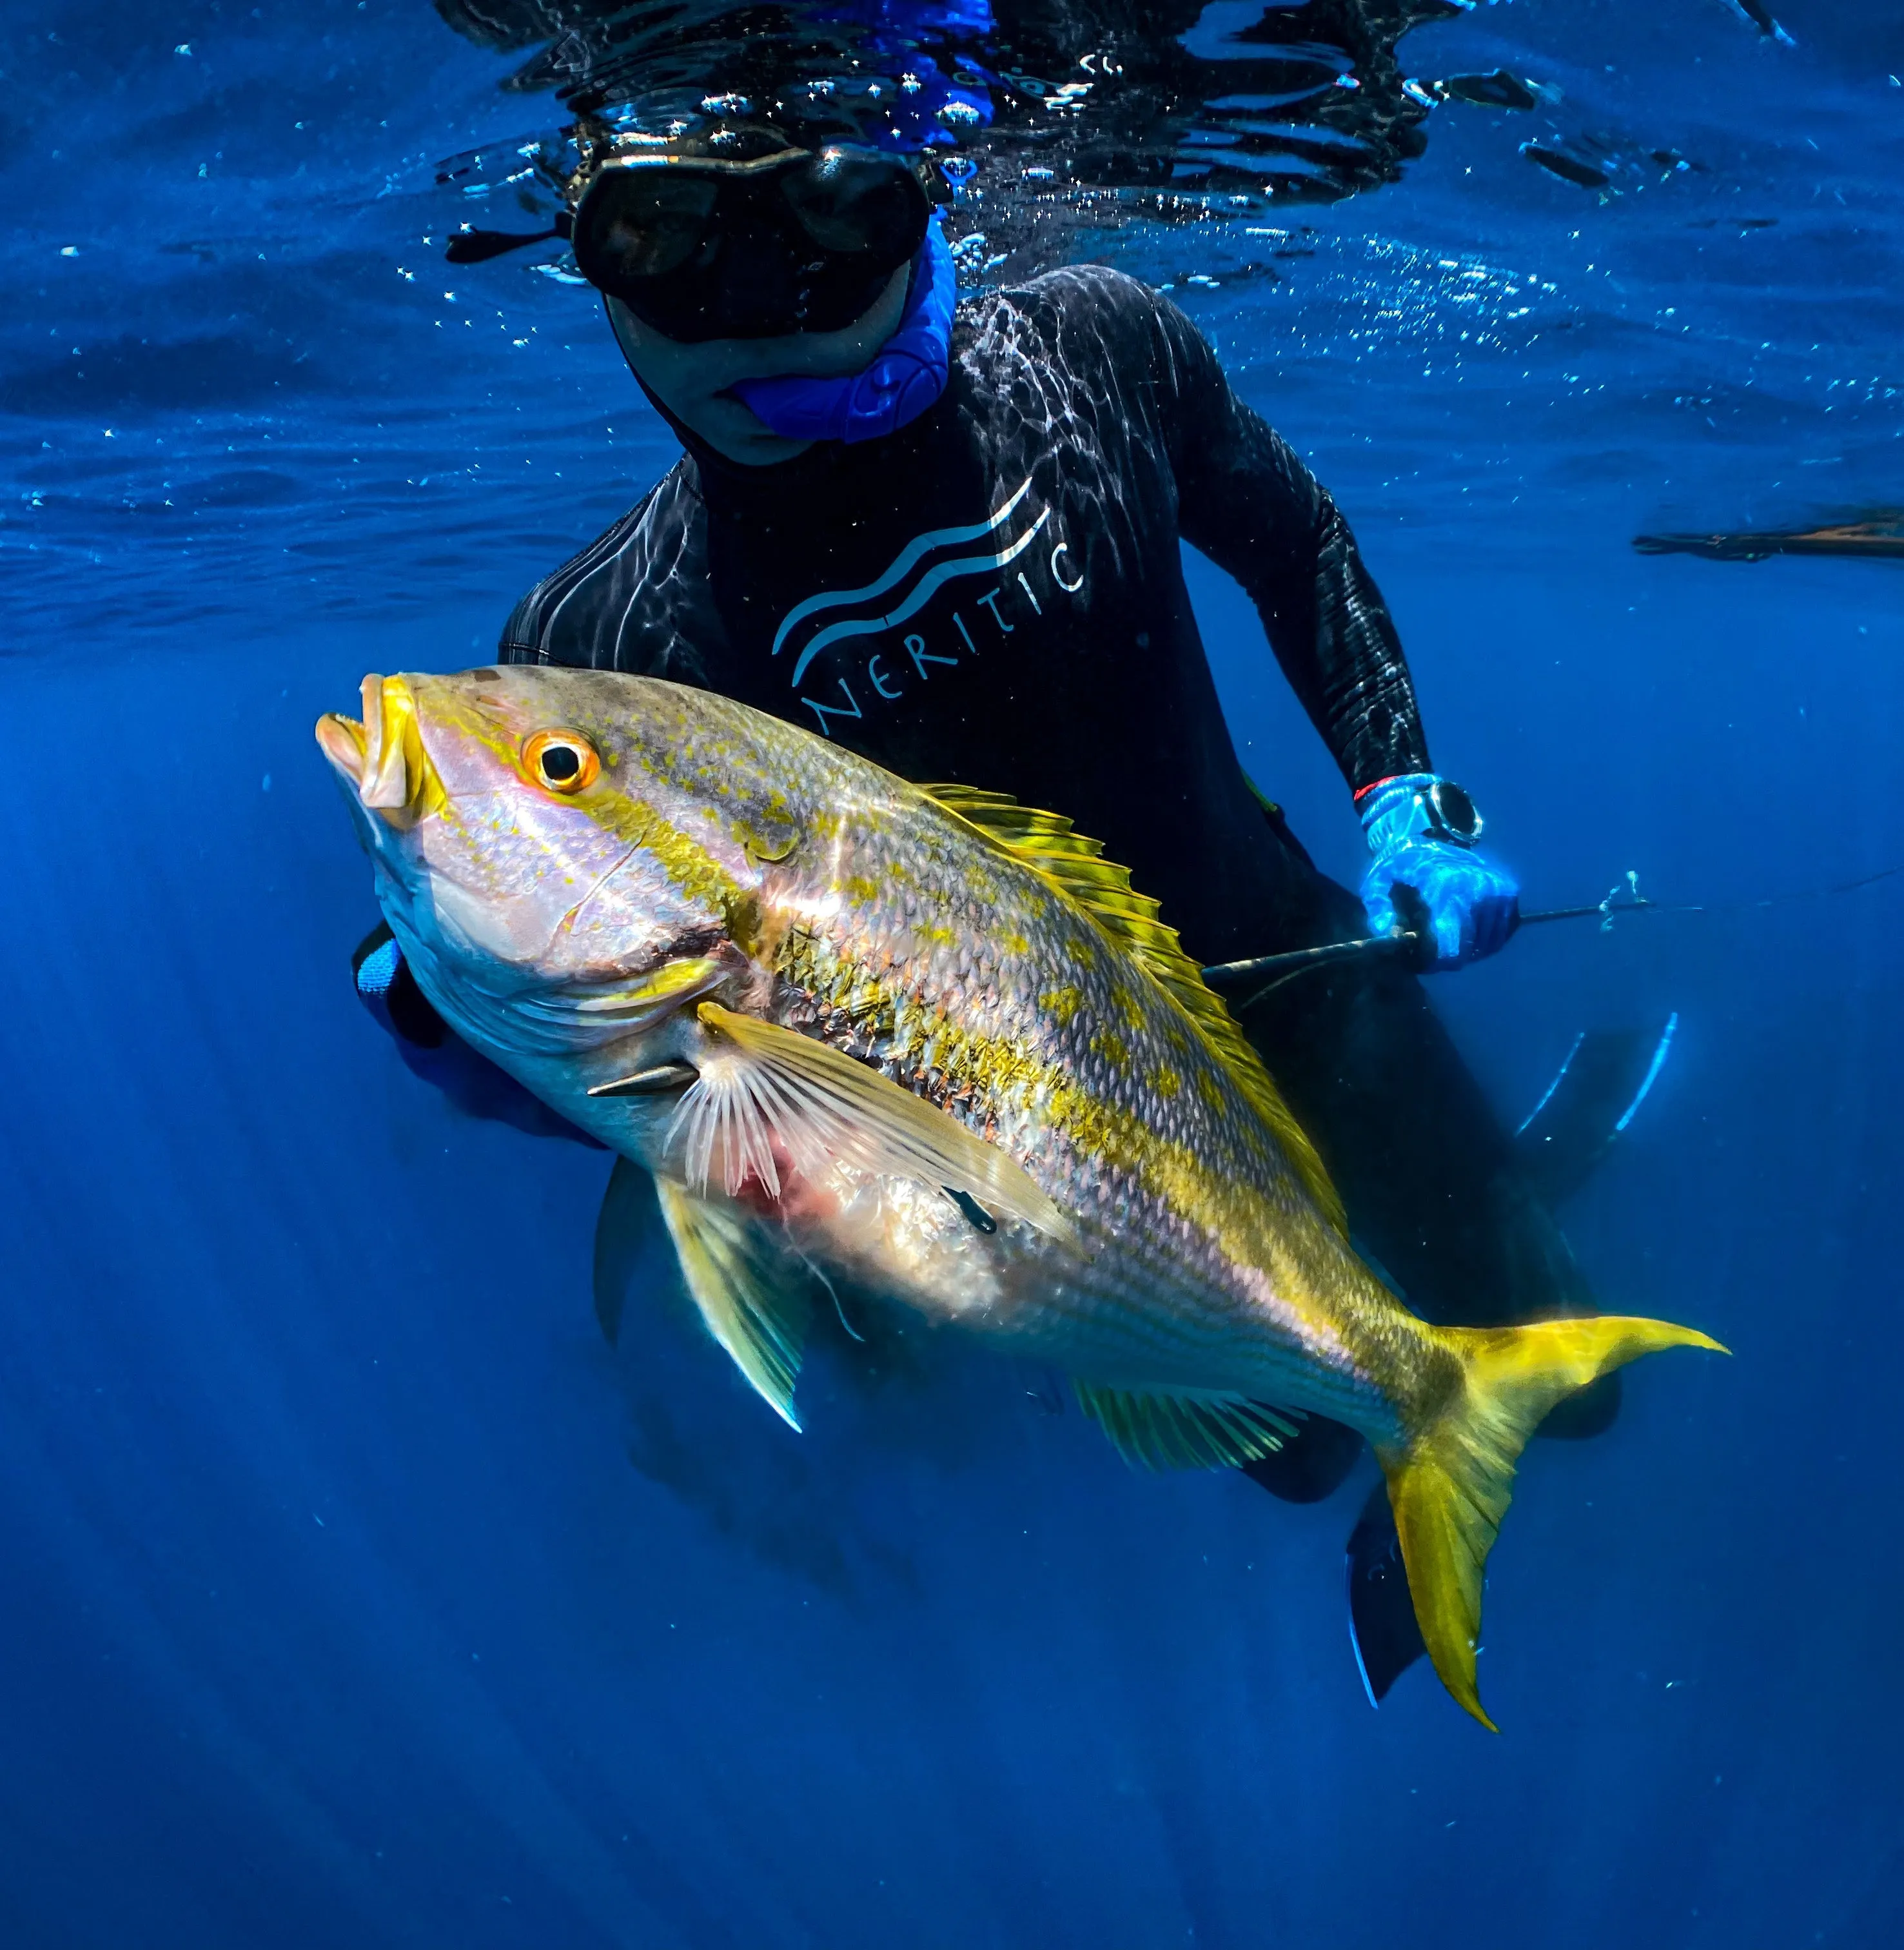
1590	1101
1382	1626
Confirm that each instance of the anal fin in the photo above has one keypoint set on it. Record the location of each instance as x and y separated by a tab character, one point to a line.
1164	1432
752	1293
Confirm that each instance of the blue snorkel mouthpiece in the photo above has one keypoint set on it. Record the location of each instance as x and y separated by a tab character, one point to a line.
903	380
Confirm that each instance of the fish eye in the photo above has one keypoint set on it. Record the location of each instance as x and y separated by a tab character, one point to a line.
564	761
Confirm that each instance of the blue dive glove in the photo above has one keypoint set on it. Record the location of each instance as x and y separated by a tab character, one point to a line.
1422	831
433	1051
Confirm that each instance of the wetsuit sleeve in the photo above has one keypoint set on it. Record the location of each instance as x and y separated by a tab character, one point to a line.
1247	501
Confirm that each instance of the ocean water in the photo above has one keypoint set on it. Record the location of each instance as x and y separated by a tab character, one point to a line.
355	1592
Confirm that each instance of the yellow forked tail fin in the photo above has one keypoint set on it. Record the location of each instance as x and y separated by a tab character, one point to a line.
1450	1481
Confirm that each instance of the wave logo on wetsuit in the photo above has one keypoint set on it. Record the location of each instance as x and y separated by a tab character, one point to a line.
1004	549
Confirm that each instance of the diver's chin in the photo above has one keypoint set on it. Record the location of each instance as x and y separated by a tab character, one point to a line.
730	428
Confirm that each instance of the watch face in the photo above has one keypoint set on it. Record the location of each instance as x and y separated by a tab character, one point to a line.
1454	811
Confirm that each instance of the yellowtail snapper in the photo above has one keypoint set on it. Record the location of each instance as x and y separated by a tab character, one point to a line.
927	1040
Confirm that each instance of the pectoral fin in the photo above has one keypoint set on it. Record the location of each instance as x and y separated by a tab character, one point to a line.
762	1086
751	1293
1153	1431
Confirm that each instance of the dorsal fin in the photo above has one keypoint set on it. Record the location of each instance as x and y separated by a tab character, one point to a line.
1047	843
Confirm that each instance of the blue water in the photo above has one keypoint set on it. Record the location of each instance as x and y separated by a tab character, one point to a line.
354	1593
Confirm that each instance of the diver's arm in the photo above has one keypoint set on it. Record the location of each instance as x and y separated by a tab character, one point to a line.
1248	504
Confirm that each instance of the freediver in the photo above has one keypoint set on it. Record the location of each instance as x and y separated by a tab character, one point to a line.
948	536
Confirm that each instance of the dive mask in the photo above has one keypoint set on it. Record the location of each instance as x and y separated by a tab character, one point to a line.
701	246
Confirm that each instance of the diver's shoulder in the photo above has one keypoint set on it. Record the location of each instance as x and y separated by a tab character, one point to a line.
1101	284
1075	290
581	613
1093	304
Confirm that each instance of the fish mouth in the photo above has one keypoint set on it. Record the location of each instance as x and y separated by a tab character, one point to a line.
382	756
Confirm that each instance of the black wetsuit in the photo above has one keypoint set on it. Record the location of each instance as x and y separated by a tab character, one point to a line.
994	596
